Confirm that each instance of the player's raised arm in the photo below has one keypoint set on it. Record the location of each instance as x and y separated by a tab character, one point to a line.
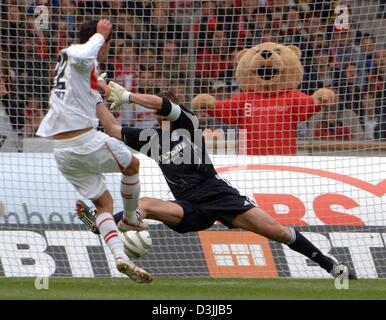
93	37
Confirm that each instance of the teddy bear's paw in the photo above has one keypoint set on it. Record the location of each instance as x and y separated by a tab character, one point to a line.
203	101
324	96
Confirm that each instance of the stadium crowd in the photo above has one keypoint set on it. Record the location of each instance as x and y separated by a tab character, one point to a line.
189	47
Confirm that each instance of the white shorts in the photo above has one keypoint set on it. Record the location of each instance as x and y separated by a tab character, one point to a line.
84	158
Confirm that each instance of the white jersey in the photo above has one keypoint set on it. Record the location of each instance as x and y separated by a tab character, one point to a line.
74	97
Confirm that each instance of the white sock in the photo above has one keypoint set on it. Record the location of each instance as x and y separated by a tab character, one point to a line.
130	189
109	231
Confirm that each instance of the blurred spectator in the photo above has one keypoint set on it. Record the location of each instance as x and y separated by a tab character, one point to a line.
376	83
381	9
291	28
229	77
163	27
344	51
185	14
33	114
255	24
149	82
207	23
242	32
184	66
380	66
371	119
220	90
12	30
62	37
131	26
212	61
313	25
179	87
141	8
269	36
319	74
117	7
335	123
227	12
126	66
367	46
380	61
148	60
349	90
160	31
68	15
13	103
169	59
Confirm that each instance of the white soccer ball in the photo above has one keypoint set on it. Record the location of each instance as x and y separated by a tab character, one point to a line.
137	243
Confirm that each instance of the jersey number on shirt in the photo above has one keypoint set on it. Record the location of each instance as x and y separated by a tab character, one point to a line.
60	69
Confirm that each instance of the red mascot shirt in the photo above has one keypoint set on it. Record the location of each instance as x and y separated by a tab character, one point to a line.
270	120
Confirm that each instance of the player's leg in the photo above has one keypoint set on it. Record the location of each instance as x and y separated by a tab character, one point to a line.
106	224
130	191
82	167
118	158
109	231
260	222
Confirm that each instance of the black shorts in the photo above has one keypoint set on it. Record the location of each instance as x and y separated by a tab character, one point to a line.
201	213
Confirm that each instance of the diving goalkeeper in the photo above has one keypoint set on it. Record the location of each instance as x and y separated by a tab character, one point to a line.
201	196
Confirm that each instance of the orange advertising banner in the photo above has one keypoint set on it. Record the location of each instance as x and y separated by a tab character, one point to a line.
237	254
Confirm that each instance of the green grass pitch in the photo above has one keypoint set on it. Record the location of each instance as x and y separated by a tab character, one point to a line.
189	288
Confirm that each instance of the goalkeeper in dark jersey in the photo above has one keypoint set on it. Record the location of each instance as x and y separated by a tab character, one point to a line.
201	196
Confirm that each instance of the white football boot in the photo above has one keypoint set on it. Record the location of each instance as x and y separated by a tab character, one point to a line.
339	269
139	225
135	273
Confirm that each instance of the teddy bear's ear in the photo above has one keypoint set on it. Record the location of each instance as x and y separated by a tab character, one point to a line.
295	50
240	54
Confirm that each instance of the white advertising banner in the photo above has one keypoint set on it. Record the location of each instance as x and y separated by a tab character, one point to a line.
296	190
338	203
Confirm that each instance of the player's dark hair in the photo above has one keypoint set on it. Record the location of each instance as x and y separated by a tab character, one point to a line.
87	30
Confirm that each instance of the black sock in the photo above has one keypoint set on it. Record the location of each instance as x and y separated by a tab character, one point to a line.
302	245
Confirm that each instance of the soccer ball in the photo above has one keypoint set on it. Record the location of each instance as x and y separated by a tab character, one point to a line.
137	243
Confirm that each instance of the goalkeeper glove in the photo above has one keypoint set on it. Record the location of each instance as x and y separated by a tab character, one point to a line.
102	77
119	95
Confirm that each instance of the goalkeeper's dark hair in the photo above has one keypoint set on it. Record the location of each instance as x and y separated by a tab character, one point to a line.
87	30
168	95
173	98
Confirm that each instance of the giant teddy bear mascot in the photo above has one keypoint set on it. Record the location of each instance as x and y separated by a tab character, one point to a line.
269	107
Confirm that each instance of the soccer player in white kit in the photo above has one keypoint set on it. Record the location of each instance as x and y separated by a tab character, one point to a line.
81	152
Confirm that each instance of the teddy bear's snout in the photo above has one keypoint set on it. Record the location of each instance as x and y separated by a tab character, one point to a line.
266	54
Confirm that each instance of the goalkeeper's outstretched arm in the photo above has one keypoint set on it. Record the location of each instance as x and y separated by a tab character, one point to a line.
120	95
147	100
163	106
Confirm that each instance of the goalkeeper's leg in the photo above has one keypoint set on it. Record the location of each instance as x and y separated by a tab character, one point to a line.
149	208
260	222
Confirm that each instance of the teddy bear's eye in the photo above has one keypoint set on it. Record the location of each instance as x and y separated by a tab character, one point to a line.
277	50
